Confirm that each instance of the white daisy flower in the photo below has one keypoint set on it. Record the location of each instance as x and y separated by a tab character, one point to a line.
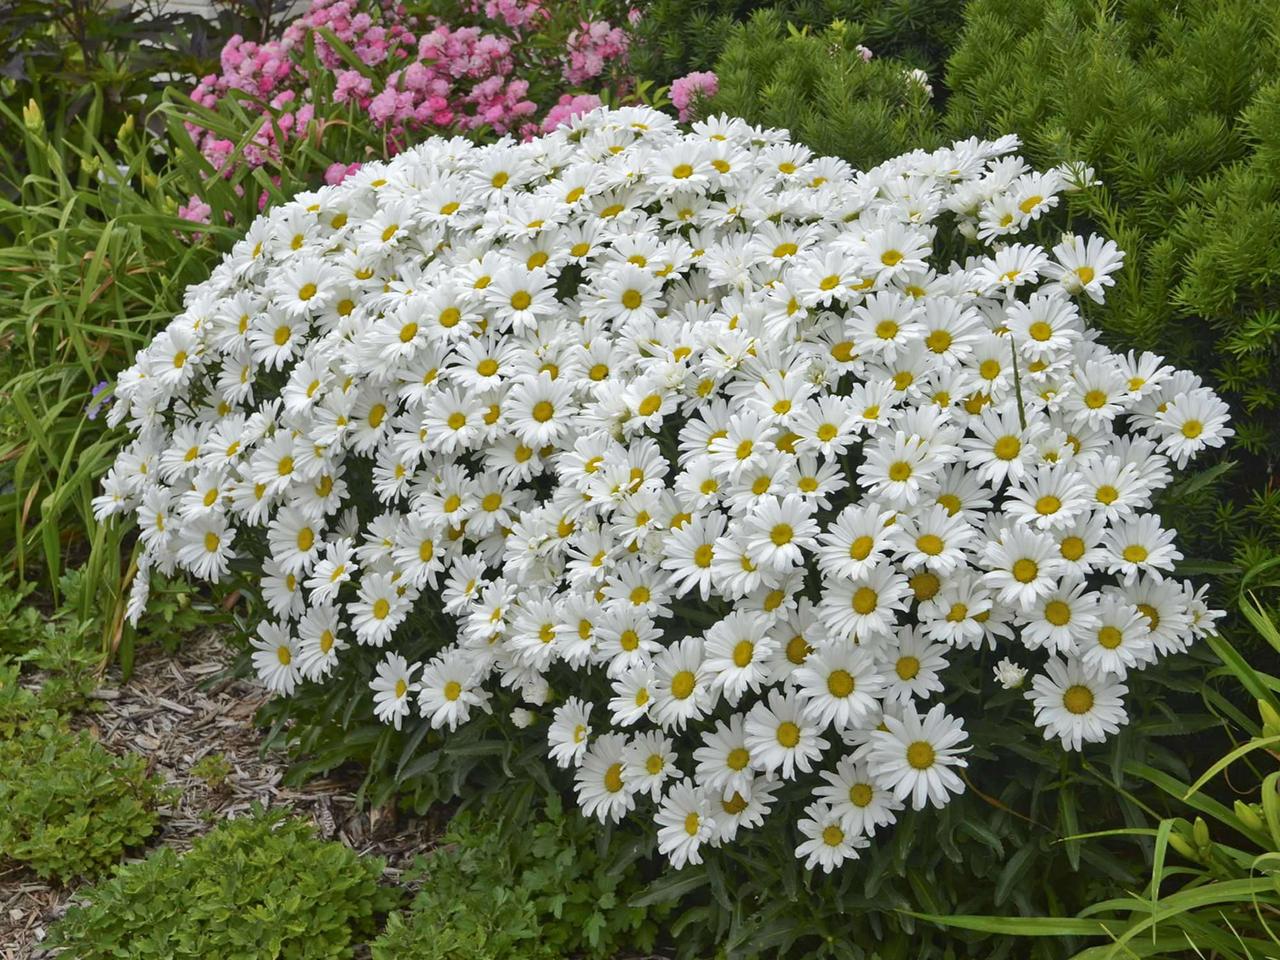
275	657
1076	704
685	822
915	756
391	701
827	843
781	738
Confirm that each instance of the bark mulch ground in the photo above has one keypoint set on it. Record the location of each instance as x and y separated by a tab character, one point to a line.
174	712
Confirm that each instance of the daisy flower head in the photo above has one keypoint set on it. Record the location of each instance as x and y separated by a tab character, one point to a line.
447	692
685	822
602	793
1077	704
854	795
827	843
275	657
780	737
839	685
916	756
391	689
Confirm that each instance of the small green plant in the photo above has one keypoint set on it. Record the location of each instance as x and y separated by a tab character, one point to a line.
539	885
19	617
71	807
19	707
261	886
213	769
61	645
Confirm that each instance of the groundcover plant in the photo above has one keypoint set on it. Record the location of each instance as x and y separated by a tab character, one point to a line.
715	463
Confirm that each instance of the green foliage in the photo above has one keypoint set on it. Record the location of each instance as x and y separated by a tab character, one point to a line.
816	84
73	56
213	769
59	645
19	617
262	886
88	270
676	37
71	807
1177	108
505	882
20	707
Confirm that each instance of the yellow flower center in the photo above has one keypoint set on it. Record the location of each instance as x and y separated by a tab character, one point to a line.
840	683
907	667
1025	570
930	544
1078	699
1048	505
1007	447
788	734
682	684
1135	553
1057	612
798	649
1109	637
920	755
613	778
864	600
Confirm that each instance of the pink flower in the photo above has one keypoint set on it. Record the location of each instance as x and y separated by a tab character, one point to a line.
335	173
590	46
195	210
687	90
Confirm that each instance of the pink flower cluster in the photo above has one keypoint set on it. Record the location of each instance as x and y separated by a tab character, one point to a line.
687	90
593	44
462	77
415	72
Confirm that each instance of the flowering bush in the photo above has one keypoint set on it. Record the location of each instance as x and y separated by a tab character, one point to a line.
407	73
694	433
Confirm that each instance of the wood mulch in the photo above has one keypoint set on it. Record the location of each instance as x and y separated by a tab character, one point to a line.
175	710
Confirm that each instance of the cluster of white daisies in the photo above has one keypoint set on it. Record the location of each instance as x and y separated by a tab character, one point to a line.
695	428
